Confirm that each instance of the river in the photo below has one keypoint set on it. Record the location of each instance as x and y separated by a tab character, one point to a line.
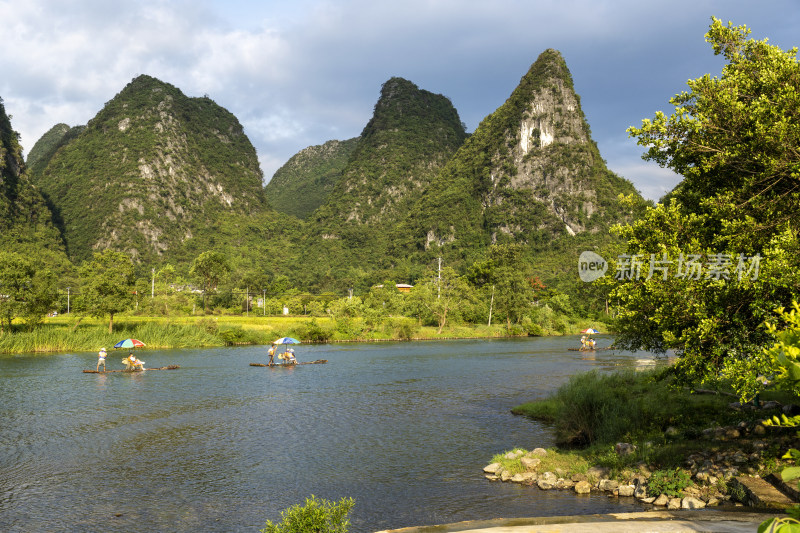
405	428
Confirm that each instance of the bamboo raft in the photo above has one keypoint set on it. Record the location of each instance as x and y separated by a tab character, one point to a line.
169	367
317	362
589	349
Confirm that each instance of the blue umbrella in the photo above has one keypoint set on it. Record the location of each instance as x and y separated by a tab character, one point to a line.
286	340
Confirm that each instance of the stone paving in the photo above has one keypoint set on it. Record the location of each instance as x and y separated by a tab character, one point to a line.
643	522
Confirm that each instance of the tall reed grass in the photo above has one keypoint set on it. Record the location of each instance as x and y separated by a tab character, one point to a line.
601	409
91	337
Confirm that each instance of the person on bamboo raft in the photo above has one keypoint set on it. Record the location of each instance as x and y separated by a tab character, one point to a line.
132	363
101	359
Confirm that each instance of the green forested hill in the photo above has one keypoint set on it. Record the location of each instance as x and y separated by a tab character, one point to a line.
153	170
530	173
44	149
164	178
352	238
26	225
305	181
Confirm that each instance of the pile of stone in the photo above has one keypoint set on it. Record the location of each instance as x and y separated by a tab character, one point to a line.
596	479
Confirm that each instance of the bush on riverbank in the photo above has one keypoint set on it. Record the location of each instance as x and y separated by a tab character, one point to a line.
603	409
640	435
593	412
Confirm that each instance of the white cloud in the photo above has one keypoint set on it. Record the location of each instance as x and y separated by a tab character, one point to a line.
302	73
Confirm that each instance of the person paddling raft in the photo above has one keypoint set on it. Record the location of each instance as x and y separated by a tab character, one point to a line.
271	354
101	359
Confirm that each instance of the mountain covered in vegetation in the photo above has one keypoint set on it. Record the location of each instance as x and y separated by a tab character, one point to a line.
153	170
354	235
304	183
46	147
530	173
26	224
164	178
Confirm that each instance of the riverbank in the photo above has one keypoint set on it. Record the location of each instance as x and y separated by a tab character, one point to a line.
75	334
637	435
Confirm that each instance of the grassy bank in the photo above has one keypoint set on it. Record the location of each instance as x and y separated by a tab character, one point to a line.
71	333
593	412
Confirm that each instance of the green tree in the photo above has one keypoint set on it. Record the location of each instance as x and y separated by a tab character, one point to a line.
734	138
511	278
107	284
25	290
441	295
209	268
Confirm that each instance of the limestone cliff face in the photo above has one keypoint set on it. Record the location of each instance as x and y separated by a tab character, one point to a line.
529	173
552	123
152	170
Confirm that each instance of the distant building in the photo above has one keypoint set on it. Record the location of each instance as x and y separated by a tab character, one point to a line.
402	287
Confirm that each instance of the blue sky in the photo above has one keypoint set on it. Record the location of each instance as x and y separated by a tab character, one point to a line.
303	72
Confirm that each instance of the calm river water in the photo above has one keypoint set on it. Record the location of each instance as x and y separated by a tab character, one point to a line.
218	445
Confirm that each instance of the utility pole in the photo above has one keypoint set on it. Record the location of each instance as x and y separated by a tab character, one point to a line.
439	282
264	300
247	302
491	304
153	286
67	300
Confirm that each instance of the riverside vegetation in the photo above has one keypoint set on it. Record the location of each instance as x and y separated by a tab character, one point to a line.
653	434
641	434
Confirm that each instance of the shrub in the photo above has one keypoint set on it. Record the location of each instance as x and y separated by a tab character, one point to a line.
237	335
312	331
317	515
668	482
208	324
404	328
351	328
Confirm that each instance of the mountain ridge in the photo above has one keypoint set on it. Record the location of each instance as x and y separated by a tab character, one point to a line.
149	170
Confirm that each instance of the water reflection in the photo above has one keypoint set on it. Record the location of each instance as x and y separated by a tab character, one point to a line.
218	445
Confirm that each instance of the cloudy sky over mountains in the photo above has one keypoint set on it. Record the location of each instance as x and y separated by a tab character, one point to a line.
303	72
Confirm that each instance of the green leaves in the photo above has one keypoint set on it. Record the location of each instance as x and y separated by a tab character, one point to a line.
734	140
106	285
26	290
209	268
317	515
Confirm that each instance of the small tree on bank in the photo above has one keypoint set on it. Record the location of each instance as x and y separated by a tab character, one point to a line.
107	285
317	515
209	268
25	290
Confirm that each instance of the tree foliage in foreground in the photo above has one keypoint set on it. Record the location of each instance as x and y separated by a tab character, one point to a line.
317	515
735	140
